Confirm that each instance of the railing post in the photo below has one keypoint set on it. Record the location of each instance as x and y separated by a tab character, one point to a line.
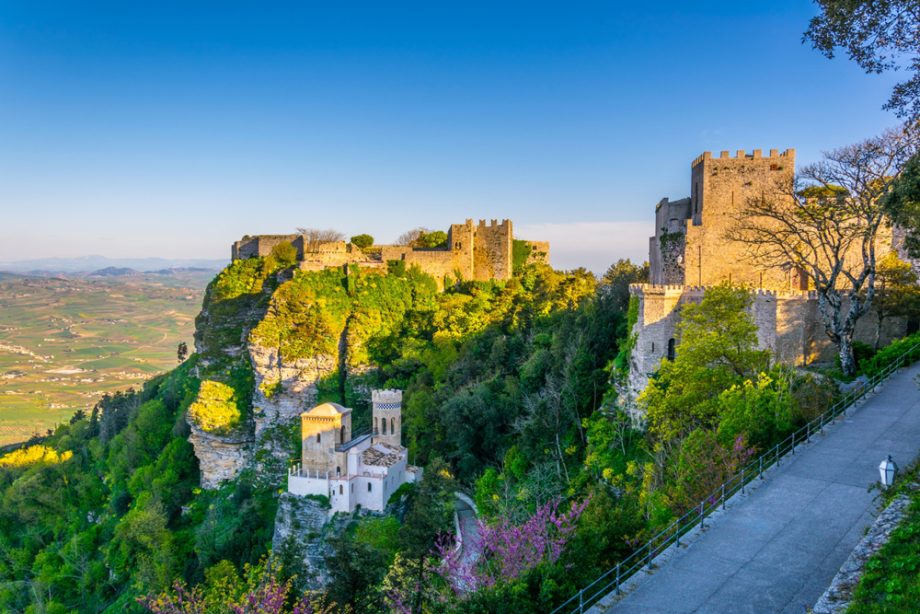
581	601
677	532
702	519
648	559
793	442
761	466
618	578
742	480
723	495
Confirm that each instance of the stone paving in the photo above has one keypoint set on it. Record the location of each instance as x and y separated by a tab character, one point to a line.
777	547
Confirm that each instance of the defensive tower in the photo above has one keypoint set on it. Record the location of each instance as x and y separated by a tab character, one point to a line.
387	416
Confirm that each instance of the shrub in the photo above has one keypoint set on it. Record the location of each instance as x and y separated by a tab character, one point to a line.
362	241
888	354
33	455
284	254
215	409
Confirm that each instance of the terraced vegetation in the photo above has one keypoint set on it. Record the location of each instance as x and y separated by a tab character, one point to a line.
65	342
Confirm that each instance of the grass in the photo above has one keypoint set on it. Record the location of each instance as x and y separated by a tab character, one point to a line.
99	334
891	580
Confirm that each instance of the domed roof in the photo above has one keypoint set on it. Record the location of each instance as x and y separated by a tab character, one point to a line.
327	409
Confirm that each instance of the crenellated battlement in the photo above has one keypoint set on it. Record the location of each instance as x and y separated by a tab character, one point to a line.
743	156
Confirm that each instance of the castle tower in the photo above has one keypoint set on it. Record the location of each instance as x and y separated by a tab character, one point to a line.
323	429
387	416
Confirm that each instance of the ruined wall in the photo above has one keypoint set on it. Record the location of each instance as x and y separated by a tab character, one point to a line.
476	251
261	245
789	325
492	247
666	248
539	252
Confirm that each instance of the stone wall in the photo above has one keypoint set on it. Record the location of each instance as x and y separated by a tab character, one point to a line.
492	250
789	324
478	252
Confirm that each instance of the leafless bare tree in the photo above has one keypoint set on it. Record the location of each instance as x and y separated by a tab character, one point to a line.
827	224
314	237
410	237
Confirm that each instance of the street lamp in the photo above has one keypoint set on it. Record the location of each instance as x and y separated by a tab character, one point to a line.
888	470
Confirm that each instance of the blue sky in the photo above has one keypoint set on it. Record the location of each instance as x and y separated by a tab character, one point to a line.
172	128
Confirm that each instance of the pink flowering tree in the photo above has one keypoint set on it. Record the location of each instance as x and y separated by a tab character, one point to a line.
506	551
262	592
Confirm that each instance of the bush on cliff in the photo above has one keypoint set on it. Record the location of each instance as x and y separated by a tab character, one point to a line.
215	408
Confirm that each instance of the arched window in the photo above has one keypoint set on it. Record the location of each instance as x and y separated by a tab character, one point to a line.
342	434
317	438
671	351
338	471
383	426
392	426
376	425
369	487
341	490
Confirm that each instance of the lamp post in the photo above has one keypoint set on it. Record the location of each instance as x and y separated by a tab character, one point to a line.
888	470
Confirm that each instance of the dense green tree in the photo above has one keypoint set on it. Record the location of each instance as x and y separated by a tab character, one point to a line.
718	348
880	36
362	241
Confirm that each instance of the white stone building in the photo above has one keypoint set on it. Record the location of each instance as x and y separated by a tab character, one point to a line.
353	471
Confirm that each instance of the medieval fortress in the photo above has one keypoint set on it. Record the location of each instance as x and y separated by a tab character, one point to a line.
478	252
351	469
690	252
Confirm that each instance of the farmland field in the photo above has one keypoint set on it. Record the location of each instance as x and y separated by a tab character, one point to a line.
66	341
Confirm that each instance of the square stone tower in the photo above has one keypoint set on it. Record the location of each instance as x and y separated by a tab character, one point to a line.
324	429
387	416
690	246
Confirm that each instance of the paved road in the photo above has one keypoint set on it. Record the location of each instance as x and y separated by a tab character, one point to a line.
470	529
777	548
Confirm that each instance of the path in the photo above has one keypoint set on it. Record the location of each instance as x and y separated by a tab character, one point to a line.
470	530
778	547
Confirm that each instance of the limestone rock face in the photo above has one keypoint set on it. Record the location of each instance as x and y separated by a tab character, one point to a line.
220	458
300	523
293	384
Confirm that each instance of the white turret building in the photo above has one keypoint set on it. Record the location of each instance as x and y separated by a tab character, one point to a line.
364	470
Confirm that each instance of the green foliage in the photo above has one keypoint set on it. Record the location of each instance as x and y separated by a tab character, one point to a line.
887	355
718	349
761	410
232	301
431	240
891	580
902	204
362	241
520	253
284	255
215	409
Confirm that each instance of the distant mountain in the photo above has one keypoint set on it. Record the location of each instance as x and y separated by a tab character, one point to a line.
89	264
113	271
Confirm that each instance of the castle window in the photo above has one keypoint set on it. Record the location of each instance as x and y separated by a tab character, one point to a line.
342	434
338	471
369	487
458	245
392	426
318	437
341	490
383	426
671	350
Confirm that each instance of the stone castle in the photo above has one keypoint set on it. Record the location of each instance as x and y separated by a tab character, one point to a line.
479	252
353	470
690	252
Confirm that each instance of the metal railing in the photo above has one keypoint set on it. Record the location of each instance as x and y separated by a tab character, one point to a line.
612	580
